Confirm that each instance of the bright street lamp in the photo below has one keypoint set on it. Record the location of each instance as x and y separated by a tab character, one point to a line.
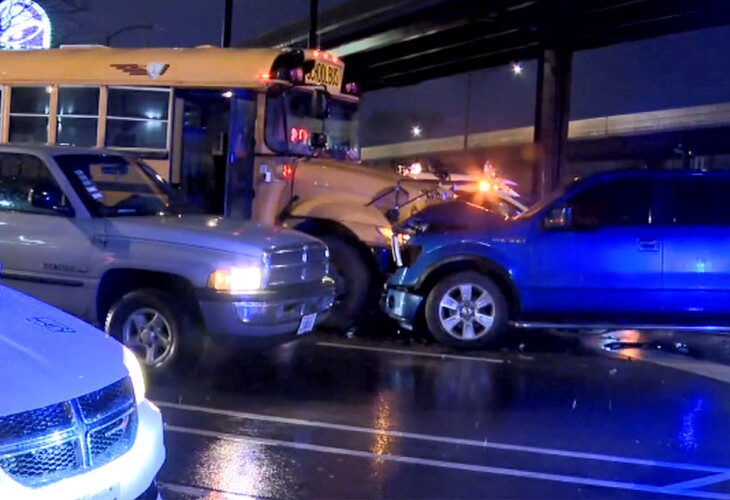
416	131
517	68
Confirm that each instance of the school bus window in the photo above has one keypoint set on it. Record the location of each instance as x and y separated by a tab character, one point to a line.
29	110
137	118
138	103
78	116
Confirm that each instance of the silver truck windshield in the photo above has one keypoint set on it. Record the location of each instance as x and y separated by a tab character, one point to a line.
114	186
292	121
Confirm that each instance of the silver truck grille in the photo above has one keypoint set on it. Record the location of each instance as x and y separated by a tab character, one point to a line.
49	444
296	264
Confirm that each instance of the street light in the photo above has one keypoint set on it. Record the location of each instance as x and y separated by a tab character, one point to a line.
416	131
517	68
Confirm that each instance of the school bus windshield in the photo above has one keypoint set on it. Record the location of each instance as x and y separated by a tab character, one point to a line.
292	119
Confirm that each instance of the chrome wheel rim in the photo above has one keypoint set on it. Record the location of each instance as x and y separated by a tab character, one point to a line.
466	312
148	334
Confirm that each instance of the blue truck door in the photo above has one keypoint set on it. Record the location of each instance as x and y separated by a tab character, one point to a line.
608	260
695	217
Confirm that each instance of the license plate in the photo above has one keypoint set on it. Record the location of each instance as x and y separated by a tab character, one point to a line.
307	324
113	492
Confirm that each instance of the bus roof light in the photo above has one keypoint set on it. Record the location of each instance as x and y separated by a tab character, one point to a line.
297	75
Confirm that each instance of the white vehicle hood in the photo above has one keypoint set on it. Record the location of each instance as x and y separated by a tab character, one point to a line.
48	356
215	233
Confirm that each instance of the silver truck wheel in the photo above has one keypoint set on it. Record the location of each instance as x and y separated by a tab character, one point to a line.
466	310
148	333
158	327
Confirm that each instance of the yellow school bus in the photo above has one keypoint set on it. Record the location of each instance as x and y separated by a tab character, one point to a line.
264	133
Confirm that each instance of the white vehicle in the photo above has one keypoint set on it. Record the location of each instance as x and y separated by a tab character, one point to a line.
74	421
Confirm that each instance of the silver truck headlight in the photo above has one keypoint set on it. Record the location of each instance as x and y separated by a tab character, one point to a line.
236	279
135	373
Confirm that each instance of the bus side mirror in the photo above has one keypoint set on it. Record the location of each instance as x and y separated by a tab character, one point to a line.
318	141
321	105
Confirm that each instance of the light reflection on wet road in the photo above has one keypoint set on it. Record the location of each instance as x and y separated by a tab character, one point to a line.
329	417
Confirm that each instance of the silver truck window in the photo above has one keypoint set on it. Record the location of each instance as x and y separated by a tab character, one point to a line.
115	186
20	174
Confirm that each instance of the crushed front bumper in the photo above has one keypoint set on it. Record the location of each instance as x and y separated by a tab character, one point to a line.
401	305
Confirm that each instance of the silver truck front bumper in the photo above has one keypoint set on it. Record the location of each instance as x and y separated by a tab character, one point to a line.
267	313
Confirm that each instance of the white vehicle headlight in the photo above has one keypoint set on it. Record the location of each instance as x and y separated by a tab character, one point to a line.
136	374
236	279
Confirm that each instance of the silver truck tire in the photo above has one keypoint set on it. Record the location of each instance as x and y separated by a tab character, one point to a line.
155	326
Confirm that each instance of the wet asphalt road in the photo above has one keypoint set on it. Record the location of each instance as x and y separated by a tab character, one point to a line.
549	417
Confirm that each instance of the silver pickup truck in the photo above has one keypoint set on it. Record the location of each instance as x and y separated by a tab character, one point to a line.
98	234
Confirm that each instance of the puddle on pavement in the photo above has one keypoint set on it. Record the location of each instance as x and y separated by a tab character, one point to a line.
639	344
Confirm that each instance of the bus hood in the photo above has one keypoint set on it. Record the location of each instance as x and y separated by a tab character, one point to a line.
213	233
48	356
359	182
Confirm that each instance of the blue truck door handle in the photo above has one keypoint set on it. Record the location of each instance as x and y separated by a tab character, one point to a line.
648	245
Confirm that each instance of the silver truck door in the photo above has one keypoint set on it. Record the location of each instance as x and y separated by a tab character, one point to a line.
45	251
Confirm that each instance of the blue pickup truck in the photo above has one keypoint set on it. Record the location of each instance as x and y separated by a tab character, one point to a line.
624	249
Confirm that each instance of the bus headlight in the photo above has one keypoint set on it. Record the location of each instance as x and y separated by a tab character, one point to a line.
135	373
236	279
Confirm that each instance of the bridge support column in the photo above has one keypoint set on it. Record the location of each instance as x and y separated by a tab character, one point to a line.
552	114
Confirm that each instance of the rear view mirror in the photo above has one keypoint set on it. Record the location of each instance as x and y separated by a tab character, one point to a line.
48	196
558	218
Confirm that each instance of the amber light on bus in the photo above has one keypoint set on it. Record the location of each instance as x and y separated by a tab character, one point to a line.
287	172
326	56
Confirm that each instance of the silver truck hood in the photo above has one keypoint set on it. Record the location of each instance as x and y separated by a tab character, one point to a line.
214	233
48	356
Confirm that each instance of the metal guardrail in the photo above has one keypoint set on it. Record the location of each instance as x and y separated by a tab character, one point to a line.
592	128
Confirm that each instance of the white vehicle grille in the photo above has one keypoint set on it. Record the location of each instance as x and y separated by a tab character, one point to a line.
46	445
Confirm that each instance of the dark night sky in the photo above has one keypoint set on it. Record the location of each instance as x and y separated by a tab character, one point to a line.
675	71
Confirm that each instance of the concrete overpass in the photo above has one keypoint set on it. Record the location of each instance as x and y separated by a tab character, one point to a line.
401	42
634	125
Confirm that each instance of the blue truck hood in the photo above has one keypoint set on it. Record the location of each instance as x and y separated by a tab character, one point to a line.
456	216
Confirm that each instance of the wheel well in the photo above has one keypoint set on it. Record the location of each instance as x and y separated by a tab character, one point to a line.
324	227
116	283
493	271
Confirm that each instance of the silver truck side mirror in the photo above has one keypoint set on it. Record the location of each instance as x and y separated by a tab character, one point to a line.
48	196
